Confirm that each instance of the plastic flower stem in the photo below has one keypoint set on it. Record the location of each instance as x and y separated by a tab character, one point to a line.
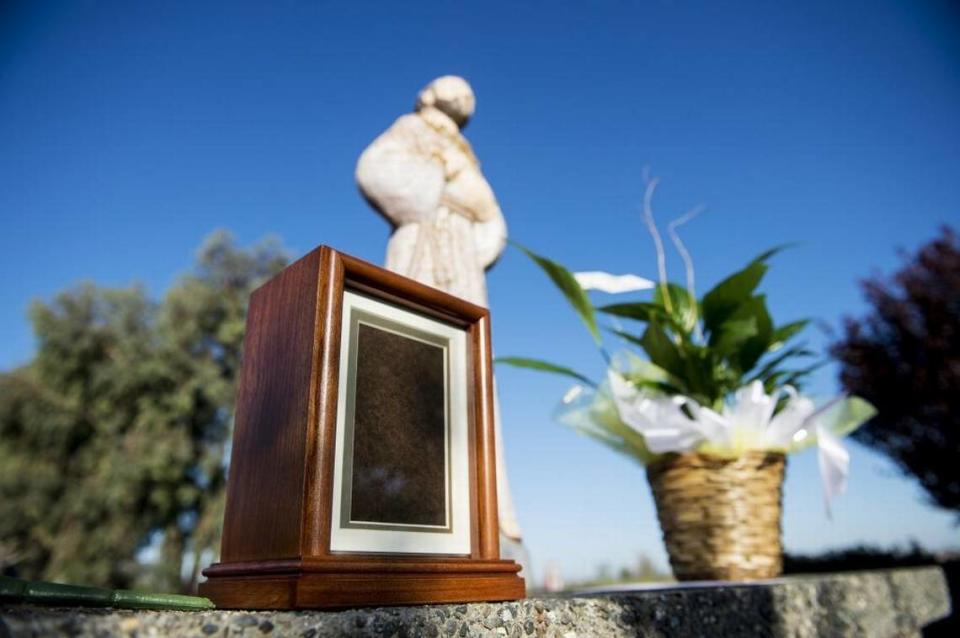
687	261
657	240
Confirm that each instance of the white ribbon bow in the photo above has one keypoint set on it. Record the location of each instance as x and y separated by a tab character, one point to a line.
747	423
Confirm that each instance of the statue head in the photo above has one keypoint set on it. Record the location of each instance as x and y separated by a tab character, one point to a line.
450	95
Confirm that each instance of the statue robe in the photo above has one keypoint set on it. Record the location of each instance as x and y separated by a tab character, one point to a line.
423	177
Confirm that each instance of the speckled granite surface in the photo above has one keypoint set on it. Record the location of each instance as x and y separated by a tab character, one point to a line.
879	603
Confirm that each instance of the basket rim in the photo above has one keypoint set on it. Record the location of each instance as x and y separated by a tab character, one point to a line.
675	457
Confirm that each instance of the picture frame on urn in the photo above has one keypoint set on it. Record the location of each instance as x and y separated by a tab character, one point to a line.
362	468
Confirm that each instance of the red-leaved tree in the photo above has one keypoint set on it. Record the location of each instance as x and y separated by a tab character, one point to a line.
904	357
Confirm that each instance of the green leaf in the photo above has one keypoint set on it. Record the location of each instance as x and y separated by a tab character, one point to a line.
754	348
660	386
544	366
724	299
640	311
643	371
567	283
720	302
771	364
683	308
698	365
786	332
731	335
688	366
634	339
661	350
767	254
796	376
772	380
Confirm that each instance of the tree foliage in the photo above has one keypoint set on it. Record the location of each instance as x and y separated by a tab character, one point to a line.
904	357
112	439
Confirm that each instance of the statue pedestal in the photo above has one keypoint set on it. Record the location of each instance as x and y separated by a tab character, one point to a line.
884	604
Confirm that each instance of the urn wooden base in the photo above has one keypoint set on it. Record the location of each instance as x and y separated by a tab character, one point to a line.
360	583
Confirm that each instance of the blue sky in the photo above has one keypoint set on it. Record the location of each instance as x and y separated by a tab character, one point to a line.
130	130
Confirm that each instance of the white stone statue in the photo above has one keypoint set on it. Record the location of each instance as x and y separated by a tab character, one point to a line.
423	177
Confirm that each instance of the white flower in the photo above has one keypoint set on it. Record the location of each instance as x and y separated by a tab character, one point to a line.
659	418
605	282
786	428
751	410
715	427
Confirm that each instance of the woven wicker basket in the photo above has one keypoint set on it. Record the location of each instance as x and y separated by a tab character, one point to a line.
720	517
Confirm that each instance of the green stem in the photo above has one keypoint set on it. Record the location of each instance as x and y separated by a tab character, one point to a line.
14	590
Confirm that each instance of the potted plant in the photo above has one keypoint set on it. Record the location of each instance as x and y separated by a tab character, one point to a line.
707	396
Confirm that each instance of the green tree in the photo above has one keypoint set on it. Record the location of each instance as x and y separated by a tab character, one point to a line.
113	437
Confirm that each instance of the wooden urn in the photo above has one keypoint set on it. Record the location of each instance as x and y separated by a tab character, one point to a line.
362	471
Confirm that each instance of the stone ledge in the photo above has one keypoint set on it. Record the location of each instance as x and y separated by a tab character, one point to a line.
896	602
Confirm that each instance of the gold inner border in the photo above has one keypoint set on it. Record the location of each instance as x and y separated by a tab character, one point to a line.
357	317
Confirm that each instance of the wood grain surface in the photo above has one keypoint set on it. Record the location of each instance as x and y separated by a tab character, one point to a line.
273	406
